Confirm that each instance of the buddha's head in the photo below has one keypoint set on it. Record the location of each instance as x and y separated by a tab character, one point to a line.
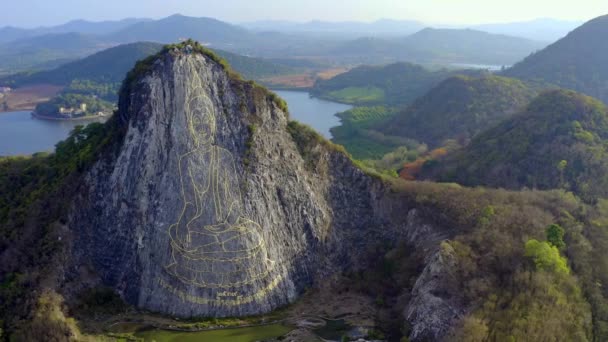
201	121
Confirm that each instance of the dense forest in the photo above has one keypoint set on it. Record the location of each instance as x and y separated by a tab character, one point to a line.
100	74
108	66
558	141
576	62
459	108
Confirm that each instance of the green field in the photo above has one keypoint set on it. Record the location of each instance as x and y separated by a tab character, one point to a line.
249	334
357	95
357	137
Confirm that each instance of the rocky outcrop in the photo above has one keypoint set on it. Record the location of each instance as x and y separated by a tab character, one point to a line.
433	309
209	207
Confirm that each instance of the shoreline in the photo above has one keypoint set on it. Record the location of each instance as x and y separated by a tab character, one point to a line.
11	110
51	118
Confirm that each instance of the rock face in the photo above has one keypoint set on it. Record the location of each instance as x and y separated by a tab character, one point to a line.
208	208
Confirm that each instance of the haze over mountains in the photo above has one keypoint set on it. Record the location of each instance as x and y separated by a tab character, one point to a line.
379	42
10	33
542	29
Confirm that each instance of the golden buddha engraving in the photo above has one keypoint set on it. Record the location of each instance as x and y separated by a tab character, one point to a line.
214	245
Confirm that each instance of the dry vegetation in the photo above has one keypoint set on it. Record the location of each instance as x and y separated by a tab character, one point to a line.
26	98
303	80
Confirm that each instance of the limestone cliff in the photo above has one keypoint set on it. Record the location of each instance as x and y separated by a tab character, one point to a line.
210	206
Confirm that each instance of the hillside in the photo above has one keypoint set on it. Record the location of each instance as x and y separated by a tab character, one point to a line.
45	51
394	84
176	27
133	233
101	73
469	46
8	33
40	51
107	66
559	141
459	108
440	46
577	61
542	29
344	28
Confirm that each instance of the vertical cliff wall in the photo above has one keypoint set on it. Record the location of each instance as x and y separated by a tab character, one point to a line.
211	206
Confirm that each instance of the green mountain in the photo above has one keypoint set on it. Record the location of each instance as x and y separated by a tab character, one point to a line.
394	84
559	141
9	33
459	108
469	46
441	46
100	74
107	66
576	62
176	27
40	51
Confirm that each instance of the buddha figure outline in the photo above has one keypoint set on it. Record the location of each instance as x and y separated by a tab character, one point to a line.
213	245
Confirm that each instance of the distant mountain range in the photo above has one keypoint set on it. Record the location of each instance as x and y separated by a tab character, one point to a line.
43	48
542	29
347	28
171	29
545	29
9	33
110	67
47	51
442	46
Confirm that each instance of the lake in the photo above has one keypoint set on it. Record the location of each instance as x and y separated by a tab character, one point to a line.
20	133
317	113
480	66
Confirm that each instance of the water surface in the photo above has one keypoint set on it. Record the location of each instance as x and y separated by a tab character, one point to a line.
20	133
317	113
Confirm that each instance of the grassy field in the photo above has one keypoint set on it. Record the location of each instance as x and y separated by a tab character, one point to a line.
249	334
359	138
357	95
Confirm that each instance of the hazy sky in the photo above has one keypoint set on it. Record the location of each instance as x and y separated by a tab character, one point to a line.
28	13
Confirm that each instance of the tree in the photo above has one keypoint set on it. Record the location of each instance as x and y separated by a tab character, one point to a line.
561	166
546	257
555	236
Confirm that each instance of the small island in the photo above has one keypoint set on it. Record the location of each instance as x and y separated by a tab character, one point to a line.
73	107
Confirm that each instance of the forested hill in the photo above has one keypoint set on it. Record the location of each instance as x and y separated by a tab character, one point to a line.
470	46
394	84
174	27
107	66
579	61
559	141
459	108
111	65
